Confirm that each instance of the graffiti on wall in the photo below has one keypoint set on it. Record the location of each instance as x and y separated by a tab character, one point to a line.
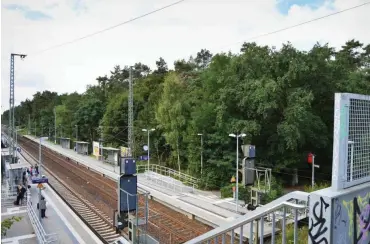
358	210
319	221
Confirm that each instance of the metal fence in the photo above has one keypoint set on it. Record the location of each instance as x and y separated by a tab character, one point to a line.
351	149
268	222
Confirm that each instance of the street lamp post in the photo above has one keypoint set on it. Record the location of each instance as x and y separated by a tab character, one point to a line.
201	154
148	130
237	167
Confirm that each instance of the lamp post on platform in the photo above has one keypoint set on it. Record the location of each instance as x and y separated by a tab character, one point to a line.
201	154
237	167
148	130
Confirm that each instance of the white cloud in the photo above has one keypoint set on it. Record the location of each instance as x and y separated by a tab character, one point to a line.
177	32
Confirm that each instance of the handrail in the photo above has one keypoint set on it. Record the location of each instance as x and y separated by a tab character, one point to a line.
163	170
258	215
153	176
41	235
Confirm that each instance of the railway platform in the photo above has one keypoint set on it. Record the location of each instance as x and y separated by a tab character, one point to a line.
62	225
200	205
61	220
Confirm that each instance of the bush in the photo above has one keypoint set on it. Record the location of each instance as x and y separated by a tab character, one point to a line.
316	187
244	192
276	191
302	235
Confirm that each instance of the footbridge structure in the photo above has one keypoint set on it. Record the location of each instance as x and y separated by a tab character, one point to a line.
338	214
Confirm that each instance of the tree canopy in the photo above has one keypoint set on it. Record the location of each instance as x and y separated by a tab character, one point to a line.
282	99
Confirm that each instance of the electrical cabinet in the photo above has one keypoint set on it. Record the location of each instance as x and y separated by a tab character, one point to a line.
249	151
127	193
128	166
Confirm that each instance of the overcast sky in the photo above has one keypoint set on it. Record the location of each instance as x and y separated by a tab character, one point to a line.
174	33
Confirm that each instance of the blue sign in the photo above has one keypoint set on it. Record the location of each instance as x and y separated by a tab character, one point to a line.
39	180
144	157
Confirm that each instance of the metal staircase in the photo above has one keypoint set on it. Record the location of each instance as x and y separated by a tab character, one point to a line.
264	222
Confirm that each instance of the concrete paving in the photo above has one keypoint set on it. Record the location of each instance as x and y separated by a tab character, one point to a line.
61	220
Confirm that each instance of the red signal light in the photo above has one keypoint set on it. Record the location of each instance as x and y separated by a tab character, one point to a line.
310	158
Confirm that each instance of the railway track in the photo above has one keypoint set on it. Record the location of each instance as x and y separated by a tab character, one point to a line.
165	224
92	216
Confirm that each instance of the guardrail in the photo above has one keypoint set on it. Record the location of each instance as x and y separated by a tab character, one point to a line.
159	169
169	183
275	215
42	236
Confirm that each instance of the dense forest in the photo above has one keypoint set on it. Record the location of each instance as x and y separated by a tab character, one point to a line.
282	99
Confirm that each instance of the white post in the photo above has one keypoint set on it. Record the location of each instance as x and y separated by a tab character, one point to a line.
16	143
237	172
148	150
237	167
313	171
55	126
40	163
148	130
201	158
351	163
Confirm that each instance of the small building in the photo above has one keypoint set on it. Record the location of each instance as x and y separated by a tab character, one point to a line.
14	173
5	158
82	147
110	155
65	142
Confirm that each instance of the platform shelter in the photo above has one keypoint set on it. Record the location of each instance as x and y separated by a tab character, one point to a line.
14	172
5	158
82	147
65	142
110	155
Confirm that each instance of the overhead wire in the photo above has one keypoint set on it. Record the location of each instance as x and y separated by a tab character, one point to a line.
108	28
297	25
178	2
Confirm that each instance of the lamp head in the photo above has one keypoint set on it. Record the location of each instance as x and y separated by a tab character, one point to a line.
232	135
144	130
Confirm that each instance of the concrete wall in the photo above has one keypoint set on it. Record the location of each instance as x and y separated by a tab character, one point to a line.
351	217
340	217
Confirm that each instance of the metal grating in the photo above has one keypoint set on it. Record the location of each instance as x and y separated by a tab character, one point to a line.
358	156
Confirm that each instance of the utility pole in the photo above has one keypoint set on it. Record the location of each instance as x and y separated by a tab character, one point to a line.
55	126
130	113
11	103
201	153
76	132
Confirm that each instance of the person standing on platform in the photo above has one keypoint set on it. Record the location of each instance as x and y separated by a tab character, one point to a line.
21	190
42	206
37	169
